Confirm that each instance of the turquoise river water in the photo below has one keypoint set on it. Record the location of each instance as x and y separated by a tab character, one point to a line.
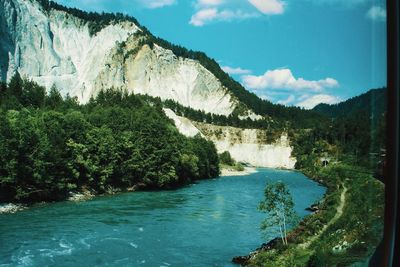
204	224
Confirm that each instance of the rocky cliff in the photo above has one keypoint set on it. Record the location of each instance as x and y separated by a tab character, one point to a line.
245	145
55	47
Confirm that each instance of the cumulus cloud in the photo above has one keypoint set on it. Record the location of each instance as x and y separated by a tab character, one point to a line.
312	101
235	71
157	3
208	15
377	13
284	79
269	7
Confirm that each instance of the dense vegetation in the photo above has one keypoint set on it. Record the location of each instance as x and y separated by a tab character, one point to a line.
351	138
51	146
227	162
352	132
350	237
372	102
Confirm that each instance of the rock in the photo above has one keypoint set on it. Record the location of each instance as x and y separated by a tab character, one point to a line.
313	208
242	260
341	247
250	145
270	245
55	47
11	208
80	196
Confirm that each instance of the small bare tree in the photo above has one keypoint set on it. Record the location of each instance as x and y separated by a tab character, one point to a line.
279	206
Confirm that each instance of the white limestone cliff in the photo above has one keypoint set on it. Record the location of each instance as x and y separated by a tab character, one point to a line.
56	48
244	145
184	125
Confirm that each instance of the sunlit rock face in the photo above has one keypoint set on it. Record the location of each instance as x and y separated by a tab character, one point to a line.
244	145
56	48
250	146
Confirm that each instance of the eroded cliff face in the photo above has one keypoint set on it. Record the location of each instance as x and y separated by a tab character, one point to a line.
55	47
158	72
244	145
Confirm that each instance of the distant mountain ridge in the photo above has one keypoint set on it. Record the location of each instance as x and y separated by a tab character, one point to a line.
372	102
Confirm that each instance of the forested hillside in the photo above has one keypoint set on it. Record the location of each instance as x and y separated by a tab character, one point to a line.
372	102
53	145
353	131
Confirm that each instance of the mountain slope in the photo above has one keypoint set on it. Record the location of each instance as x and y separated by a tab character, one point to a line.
65	47
82	53
371	102
358	126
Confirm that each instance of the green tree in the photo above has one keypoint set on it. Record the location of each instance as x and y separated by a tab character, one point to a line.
225	158
279	206
15	86
32	94
54	98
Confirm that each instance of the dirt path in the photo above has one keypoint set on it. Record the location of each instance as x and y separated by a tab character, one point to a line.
339	212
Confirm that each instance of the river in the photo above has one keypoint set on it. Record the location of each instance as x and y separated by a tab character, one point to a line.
204	224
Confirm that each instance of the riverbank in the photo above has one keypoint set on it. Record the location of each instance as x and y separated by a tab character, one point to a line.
86	193
346	227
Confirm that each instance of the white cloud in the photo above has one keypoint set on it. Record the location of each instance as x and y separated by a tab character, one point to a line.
269	7
287	101
208	15
234	71
202	3
157	3
203	16
284	79
314	100
377	13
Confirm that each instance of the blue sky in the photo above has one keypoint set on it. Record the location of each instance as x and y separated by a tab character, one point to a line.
293	52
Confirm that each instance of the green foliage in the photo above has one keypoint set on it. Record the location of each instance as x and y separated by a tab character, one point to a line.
373	102
96	21
279	207
52	145
356	127
225	158
360	226
54	98
239	167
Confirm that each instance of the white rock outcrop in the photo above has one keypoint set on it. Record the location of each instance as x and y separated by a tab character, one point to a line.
244	145
249	146
184	125
56	48
11	208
